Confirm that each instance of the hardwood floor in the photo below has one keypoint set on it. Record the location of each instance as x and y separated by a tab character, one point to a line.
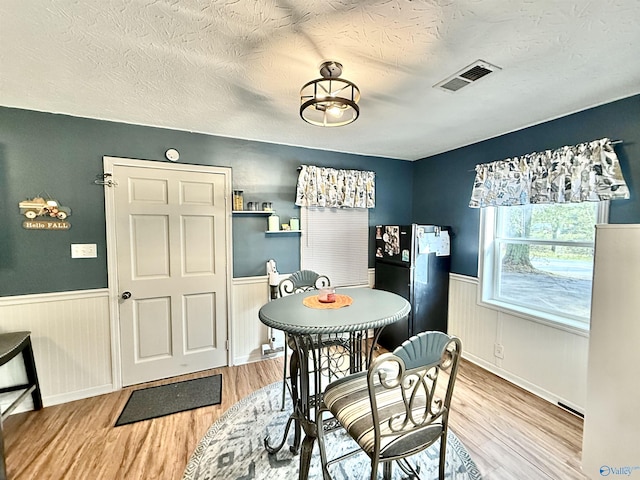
509	433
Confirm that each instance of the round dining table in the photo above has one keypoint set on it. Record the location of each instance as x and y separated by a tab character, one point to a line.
314	327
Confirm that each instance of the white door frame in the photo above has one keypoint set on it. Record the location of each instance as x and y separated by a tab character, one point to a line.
112	254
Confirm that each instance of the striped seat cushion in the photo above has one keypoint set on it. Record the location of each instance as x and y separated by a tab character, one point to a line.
348	400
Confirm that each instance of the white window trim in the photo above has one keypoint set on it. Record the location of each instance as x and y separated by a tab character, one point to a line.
486	267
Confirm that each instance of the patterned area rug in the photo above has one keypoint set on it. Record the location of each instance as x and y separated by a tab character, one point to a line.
233	448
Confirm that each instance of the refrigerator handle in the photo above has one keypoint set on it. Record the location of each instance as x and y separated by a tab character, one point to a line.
415	244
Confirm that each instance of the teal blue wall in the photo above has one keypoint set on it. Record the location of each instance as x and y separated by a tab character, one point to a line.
442	183
60	156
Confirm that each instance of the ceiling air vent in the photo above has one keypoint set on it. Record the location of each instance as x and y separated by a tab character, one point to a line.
472	73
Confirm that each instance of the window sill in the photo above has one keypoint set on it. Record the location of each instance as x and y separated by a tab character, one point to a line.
554	321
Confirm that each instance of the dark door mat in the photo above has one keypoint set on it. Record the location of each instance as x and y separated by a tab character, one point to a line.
153	402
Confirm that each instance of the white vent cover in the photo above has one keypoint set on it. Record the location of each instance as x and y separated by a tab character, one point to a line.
468	75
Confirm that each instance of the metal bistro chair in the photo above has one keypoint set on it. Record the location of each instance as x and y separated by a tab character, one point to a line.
399	407
11	345
298	282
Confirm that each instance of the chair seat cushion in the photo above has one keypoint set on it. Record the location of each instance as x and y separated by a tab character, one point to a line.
11	344
348	401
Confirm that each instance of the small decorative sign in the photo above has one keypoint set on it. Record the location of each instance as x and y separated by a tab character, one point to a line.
54	214
46	225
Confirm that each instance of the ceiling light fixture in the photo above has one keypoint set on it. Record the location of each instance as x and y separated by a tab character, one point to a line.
329	101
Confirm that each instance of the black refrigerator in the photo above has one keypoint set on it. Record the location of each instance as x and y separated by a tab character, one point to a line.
414	262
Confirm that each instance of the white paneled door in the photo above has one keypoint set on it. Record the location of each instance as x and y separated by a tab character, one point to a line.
170	232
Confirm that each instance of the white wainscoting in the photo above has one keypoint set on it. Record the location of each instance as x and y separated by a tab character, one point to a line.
248	332
71	338
547	361
71	342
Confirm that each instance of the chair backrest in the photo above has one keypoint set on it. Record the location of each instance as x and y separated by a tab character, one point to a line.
414	386
302	281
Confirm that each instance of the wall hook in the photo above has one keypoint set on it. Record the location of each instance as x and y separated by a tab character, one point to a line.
105	179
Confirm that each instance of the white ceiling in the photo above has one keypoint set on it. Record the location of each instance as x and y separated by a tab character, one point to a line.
235	67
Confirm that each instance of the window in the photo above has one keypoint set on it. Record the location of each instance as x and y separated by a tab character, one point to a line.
537	259
335	243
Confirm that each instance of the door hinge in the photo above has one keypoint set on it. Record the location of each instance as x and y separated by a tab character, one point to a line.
226	344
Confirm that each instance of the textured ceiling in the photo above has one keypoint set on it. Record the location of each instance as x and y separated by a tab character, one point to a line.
235	67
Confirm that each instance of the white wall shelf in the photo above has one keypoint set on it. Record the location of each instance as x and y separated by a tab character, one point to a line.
263	213
252	212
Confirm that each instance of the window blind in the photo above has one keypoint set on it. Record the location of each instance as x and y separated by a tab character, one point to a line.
335	243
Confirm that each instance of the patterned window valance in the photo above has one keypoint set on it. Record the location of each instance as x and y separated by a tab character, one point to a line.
581	173
328	187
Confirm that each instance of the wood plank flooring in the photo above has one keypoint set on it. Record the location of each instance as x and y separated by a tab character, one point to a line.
509	433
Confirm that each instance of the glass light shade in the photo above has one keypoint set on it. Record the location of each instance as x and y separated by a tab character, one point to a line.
329	102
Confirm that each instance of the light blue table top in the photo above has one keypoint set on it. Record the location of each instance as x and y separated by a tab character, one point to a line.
370	309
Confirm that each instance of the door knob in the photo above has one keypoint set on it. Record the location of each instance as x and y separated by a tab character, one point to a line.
126	295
